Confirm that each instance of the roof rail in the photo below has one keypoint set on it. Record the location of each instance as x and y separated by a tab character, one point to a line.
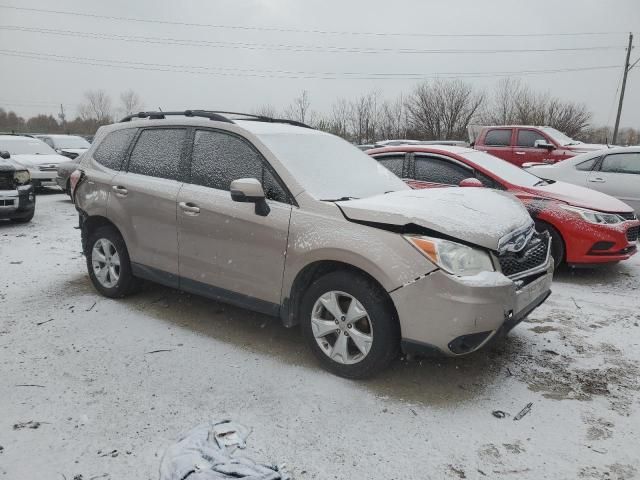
217	115
261	118
187	113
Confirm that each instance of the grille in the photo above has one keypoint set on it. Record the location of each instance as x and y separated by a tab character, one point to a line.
628	216
7	203
6	181
632	234
532	256
48	168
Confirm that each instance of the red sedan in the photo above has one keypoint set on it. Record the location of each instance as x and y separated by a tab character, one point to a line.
586	227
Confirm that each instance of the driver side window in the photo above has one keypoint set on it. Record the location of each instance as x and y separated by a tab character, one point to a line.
219	158
438	170
527	138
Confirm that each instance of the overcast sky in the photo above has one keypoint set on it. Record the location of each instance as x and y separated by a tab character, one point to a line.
240	64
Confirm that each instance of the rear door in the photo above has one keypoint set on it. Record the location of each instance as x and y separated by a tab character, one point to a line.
143	198
618	175
227	251
497	141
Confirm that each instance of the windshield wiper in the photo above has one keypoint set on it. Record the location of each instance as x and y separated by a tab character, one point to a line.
341	199
540	183
572	143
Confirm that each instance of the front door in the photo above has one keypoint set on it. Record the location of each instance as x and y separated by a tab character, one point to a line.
228	251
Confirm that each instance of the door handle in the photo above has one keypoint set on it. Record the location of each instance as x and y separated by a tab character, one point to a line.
520	153
189	208
597	180
120	191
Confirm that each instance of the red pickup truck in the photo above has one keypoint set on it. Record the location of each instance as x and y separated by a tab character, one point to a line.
520	144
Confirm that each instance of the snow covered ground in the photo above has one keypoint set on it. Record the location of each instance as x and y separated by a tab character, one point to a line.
113	383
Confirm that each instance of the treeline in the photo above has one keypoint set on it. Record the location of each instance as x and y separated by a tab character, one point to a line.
432	110
95	110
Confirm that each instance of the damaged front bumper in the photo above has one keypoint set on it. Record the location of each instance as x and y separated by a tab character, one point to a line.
458	315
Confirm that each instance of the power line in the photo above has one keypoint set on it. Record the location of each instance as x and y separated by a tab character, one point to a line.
288	47
247	72
299	30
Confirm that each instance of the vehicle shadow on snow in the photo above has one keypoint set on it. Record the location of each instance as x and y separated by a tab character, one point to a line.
604	274
433	380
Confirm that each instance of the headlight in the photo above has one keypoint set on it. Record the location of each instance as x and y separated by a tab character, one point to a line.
452	257
22	177
592	216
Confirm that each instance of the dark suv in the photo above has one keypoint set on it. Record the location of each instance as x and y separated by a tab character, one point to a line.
17	197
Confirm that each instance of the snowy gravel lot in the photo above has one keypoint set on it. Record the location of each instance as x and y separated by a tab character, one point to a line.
84	367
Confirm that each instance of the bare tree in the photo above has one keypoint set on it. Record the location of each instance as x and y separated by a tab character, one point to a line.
393	119
442	110
96	106
299	108
265	110
363	118
130	102
516	103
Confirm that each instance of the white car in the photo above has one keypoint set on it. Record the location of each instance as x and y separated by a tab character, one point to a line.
70	146
36	156
614	171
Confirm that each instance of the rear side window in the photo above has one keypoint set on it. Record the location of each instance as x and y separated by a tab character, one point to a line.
157	153
498	138
527	138
436	170
113	148
394	164
621	163
587	165
219	158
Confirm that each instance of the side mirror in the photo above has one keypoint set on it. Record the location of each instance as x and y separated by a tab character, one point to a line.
471	182
543	144
4	154
249	190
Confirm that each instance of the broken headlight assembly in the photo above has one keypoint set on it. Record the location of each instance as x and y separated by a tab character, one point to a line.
452	257
21	177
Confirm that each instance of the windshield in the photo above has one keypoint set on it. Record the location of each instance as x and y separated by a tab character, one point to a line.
70	142
25	146
504	170
559	137
330	168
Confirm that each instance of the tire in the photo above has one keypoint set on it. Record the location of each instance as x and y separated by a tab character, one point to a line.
380	321
26	219
115	279
557	243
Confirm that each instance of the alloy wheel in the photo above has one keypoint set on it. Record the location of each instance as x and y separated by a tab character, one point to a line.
341	327
106	263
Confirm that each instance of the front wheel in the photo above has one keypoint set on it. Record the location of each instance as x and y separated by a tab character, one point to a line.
108	263
350	324
557	243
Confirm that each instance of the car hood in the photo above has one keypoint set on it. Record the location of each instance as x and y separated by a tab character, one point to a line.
579	197
8	165
476	215
35	160
586	147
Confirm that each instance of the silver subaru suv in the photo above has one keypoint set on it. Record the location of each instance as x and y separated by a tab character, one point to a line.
279	218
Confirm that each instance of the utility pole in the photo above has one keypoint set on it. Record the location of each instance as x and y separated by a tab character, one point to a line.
627	67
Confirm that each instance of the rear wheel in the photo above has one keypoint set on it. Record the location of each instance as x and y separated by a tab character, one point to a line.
108	263
557	243
350	324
